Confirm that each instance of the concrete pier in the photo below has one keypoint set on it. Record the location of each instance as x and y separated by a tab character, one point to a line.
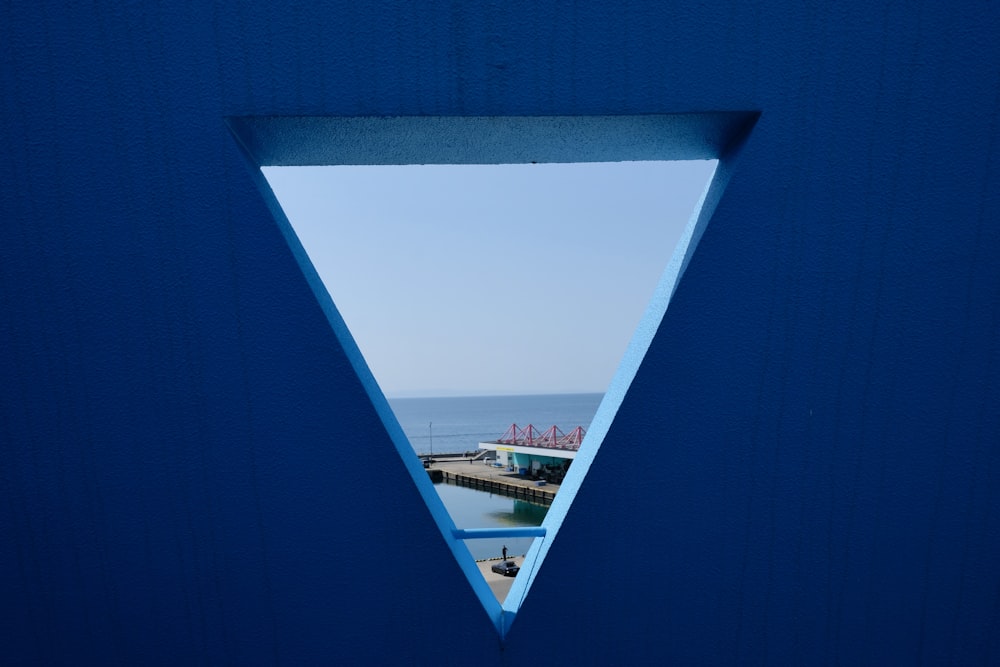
476	475
541	495
499	584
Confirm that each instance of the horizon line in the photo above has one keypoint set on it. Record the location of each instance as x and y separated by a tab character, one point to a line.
489	394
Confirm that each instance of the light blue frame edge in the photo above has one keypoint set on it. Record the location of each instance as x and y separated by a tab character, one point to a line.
323	140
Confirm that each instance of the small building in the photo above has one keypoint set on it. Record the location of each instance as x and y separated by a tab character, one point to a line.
537	454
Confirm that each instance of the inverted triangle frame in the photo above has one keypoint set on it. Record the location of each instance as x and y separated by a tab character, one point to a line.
322	140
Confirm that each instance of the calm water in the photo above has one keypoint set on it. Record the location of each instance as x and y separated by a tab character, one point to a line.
460	424
470	508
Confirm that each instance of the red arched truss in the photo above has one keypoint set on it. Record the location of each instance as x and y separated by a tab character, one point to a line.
552	438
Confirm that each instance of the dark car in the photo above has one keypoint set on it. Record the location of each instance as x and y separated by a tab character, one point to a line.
507	568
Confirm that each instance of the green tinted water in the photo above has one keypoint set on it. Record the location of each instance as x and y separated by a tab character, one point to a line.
470	508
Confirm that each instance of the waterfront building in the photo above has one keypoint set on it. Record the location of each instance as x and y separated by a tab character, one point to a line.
539	454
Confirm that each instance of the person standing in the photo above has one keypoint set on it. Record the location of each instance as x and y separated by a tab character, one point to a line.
504	552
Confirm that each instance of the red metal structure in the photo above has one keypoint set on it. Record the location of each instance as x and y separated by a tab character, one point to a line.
552	438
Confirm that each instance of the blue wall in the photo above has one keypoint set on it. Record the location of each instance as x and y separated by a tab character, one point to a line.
184	443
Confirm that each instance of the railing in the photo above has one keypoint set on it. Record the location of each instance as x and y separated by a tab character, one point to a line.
483	533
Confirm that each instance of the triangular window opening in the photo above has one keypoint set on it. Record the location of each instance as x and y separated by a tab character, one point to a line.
524	250
493	304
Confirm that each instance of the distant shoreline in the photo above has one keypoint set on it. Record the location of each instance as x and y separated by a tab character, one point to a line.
454	396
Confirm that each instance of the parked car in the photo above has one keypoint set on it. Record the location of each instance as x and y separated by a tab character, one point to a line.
507	568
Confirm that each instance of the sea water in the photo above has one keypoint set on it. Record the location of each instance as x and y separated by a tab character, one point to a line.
454	425
449	425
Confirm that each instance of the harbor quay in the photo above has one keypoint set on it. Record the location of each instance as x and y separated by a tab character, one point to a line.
483	473
524	463
499	584
477	470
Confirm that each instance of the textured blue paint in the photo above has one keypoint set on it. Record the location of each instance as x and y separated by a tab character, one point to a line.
302	141
178	419
477	140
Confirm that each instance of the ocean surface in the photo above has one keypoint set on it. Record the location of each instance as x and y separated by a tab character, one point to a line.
453	425
448	425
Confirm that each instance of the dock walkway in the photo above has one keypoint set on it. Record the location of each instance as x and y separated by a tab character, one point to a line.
476	475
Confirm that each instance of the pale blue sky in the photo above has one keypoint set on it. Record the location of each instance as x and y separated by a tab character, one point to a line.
491	279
